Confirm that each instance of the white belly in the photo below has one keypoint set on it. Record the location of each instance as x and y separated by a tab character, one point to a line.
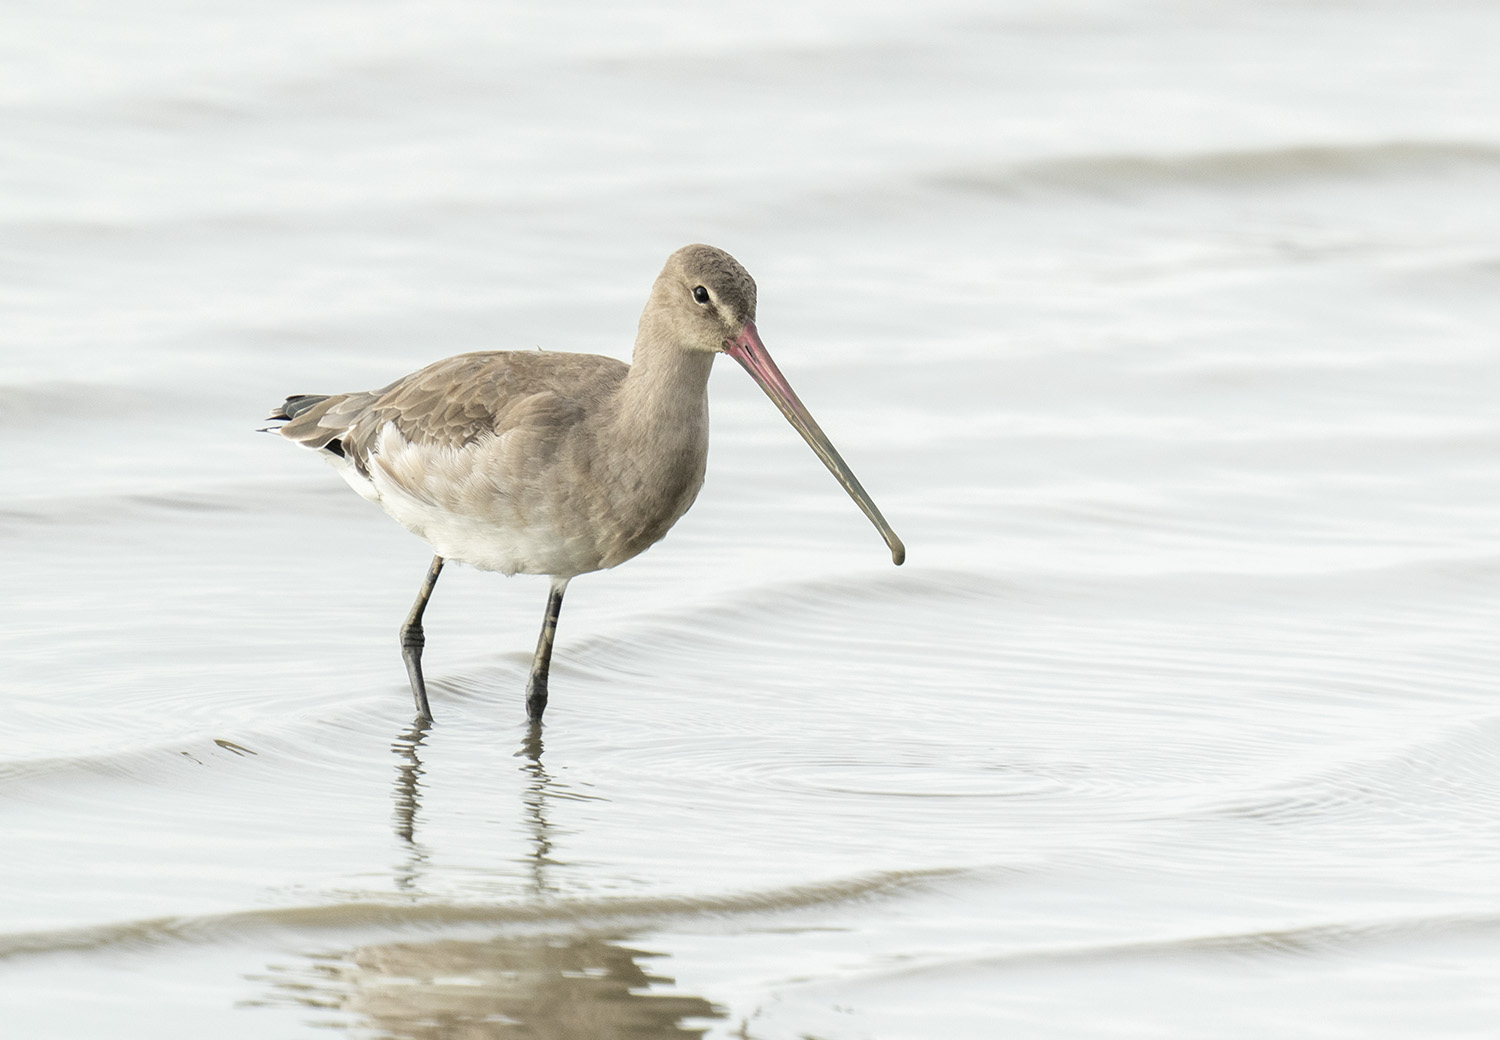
465	505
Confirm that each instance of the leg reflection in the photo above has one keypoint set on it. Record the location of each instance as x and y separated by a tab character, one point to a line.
534	803
408	801
407	798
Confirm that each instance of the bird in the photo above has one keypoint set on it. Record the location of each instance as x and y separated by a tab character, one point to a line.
556	463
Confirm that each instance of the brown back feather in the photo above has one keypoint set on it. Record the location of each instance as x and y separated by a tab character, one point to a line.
458	400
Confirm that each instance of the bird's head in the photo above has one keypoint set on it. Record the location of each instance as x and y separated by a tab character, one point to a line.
703	299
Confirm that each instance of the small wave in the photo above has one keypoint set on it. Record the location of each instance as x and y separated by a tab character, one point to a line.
305	495
53	403
1313	940
332	917
1229	169
1443	780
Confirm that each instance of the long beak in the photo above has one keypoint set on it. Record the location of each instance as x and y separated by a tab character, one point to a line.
749	351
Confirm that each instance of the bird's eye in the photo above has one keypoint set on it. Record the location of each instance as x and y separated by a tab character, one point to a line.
700	294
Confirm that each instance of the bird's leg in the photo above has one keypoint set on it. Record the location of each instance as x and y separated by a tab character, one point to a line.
536	686
412	639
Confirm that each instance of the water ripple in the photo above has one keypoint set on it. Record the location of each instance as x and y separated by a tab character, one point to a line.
425	914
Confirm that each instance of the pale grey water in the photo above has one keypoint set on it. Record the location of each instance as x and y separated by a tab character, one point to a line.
1165	335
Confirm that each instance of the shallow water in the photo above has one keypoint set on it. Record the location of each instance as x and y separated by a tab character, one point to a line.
1163	334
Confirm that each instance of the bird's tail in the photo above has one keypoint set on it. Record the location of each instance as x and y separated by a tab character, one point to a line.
295	406
316	421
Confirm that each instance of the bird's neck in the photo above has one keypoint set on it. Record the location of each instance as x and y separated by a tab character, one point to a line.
657	429
667	386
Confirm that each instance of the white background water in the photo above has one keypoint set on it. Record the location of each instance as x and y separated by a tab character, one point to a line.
1164	334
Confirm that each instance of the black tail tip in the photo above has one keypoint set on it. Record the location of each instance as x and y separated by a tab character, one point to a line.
294	406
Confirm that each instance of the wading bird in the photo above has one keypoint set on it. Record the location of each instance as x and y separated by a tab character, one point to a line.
538	462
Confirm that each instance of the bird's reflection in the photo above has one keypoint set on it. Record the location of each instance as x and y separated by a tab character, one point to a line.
536	986
539	988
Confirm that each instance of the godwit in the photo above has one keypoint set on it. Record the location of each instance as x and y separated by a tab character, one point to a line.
531	462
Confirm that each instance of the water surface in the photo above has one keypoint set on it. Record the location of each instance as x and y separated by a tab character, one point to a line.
1163	334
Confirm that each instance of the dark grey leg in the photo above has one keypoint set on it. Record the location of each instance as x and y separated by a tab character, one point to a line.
536	687
412	639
